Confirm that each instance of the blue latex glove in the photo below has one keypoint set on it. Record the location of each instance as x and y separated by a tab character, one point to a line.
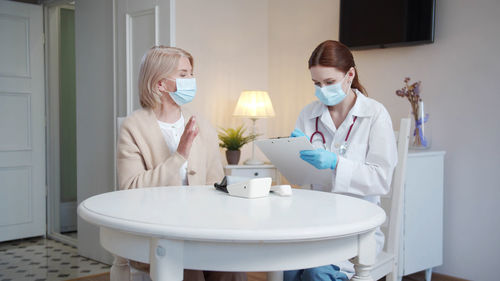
297	133
320	158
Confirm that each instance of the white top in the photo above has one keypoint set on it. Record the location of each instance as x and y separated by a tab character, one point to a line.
172	133
203	213
366	168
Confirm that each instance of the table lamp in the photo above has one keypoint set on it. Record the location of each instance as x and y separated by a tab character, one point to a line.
254	105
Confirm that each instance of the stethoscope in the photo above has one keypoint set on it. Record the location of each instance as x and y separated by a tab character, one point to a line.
343	147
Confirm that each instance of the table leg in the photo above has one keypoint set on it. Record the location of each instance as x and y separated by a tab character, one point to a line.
275	276
365	260
166	258
120	270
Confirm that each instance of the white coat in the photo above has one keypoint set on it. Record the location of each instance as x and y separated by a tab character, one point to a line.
365	170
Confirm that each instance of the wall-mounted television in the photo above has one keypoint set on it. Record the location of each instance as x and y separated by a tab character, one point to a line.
378	24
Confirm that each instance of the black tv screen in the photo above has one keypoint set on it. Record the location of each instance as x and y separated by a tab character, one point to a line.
379	24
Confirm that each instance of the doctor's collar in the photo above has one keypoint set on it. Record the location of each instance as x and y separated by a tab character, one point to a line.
318	110
362	106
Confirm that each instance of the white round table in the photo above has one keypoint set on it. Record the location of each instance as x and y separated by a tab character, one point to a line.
198	227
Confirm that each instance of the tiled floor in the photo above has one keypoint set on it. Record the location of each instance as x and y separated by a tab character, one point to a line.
44	259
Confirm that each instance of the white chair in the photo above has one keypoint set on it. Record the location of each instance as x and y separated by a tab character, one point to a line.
119	121
387	260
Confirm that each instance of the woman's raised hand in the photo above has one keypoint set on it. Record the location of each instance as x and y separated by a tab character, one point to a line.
186	141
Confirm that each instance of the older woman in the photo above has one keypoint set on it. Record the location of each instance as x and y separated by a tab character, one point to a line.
163	144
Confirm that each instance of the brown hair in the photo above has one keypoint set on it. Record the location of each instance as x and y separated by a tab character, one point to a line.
335	54
157	64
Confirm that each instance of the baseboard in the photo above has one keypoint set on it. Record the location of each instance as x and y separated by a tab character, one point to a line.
444	277
420	276
67	216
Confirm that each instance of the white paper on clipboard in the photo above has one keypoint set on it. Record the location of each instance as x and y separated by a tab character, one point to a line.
284	153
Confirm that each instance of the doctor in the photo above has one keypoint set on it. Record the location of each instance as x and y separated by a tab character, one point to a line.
353	137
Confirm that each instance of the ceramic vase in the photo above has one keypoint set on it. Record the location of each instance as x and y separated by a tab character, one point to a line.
233	157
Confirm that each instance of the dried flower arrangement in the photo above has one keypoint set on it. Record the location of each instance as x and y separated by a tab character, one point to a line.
412	93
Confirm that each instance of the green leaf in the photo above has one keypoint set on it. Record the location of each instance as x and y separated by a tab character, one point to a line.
234	139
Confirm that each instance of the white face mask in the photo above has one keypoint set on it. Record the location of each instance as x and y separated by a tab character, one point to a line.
331	94
186	90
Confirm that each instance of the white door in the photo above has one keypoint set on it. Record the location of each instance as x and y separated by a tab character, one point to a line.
22	125
140	25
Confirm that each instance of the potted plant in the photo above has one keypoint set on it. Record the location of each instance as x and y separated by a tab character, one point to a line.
233	140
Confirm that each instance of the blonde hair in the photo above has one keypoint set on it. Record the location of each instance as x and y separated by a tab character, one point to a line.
157	63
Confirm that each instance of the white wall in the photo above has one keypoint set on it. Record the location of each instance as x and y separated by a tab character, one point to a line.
263	44
240	45
296	27
228	40
94	112
459	74
233	41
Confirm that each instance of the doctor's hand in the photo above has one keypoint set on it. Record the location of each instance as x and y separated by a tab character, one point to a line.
320	158
297	133
186	141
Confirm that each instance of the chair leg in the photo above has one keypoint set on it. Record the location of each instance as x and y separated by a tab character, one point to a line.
393	276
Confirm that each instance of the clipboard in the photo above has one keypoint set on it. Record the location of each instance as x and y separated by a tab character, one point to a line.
284	153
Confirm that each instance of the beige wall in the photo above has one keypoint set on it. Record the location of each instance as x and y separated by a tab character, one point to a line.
265	44
228	40
459	73
295	29
260	44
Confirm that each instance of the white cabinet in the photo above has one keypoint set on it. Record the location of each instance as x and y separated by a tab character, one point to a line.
422	234
253	171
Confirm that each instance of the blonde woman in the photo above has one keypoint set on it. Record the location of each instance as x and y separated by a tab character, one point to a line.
163	144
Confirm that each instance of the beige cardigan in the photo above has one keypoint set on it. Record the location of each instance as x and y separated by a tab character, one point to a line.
144	160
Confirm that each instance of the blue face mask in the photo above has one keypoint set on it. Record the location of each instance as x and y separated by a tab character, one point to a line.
331	94
186	90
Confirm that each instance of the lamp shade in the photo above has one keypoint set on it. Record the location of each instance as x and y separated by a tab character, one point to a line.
254	104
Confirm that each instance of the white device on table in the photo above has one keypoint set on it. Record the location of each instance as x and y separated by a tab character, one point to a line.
284	153
252	188
282	190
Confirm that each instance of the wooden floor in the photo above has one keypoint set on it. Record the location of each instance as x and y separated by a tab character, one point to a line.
96	277
261	276
419	276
